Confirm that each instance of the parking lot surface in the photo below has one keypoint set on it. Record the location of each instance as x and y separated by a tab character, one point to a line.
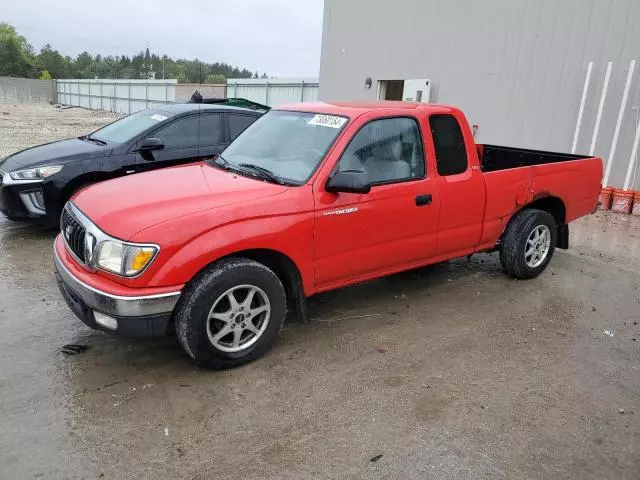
450	371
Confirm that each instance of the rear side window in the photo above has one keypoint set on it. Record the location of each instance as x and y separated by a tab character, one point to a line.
451	154
238	124
211	131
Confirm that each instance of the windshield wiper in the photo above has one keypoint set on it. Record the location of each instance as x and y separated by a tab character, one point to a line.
220	161
89	138
265	173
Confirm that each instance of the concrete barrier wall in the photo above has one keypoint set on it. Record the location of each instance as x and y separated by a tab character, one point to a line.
185	90
27	90
273	91
119	96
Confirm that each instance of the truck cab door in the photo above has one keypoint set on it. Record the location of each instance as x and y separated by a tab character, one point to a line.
179	145
461	185
394	225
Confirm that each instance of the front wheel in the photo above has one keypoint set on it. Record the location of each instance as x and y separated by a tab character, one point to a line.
528	243
231	313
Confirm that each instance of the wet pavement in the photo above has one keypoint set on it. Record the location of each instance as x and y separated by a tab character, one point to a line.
451	371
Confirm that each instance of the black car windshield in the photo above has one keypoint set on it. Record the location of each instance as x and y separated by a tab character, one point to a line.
129	127
288	144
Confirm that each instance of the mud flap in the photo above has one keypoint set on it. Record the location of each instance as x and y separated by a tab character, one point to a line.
563	237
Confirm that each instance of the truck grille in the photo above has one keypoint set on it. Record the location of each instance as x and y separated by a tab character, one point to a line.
73	234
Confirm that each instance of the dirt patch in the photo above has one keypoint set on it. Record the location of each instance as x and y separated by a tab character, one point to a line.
24	126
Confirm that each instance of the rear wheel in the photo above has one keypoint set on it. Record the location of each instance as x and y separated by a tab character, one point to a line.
528	243
231	313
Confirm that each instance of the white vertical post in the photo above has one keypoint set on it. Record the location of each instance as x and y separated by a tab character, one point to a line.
616	133
267	95
603	96
632	159
585	89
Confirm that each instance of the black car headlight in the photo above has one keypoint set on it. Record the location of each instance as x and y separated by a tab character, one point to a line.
38	173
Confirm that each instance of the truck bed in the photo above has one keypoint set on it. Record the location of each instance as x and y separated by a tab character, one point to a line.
496	157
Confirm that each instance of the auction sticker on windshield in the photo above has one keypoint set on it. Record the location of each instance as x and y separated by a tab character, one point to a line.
327	121
158	118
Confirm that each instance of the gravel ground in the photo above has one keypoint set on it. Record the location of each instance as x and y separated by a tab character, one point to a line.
23	126
448	372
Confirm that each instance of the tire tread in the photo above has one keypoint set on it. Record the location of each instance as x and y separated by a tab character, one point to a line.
516	234
189	325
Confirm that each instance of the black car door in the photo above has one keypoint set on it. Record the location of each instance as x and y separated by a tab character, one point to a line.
212	137
179	144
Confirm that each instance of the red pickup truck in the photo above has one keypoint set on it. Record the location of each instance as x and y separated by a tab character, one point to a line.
310	198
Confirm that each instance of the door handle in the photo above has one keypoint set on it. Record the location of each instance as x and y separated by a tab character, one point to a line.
422	200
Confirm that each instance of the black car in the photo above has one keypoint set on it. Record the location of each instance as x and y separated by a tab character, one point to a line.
36	183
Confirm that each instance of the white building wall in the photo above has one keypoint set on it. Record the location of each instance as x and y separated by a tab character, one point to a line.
516	67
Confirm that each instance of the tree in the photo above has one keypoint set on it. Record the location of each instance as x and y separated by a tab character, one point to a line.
45	75
146	67
84	65
17	58
16	55
216	78
59	66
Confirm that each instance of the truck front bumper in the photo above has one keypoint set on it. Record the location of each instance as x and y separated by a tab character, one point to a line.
140	316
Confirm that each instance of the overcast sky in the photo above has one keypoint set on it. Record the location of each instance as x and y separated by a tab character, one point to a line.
280	37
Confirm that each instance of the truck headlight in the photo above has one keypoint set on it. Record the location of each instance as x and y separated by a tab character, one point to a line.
124	259
38	173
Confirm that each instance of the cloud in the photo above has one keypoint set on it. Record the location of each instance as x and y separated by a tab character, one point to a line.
280	37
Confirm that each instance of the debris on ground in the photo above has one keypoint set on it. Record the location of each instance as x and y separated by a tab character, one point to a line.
609	332
74	349
346	318
621	411
166	432
376	458
381	348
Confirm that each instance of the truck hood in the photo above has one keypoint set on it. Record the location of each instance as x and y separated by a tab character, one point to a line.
55	153
125	206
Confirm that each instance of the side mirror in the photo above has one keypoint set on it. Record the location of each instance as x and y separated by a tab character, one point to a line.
149	144
348	181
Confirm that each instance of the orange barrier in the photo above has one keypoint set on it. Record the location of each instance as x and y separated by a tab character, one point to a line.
636	203
605	198
622	201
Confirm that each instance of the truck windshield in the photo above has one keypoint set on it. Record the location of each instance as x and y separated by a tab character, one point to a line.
131	126
288	144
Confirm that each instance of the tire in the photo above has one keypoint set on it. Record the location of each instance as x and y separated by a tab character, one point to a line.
207	295
519	240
